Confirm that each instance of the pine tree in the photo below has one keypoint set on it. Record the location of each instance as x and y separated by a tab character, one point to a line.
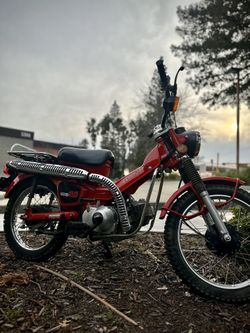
113	136
92	129
84	143
141	127
189	114
215	38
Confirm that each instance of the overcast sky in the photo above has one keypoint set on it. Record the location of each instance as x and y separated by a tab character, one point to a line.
64	61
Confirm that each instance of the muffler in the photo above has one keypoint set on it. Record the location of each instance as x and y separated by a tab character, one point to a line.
45	169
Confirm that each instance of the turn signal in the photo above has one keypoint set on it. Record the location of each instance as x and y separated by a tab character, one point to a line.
176	102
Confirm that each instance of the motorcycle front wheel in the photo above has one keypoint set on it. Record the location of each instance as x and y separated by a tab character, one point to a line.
33	241
196	252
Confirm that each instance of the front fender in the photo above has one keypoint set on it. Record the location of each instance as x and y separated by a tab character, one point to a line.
209	180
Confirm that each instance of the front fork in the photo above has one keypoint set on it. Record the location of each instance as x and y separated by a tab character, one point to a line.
189	173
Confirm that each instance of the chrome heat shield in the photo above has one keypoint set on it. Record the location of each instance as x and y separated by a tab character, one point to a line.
48	169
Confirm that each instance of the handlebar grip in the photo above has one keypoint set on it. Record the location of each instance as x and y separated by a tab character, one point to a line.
162	73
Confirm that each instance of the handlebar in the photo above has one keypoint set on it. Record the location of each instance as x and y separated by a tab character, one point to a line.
169	90
165	80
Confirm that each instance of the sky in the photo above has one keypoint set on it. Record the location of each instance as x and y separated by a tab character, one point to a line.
64	61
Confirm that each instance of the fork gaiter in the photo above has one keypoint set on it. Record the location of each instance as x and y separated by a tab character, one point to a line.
189	173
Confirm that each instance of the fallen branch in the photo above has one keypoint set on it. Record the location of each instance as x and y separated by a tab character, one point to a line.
90	293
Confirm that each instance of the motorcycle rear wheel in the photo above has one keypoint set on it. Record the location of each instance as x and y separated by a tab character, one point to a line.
27	241
198	259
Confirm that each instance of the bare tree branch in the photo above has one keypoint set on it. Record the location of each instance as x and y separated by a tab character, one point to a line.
90	293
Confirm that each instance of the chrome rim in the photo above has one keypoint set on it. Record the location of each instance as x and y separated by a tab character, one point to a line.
228	271
28	237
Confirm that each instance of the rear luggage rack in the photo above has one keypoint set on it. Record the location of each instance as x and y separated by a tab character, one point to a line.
34	156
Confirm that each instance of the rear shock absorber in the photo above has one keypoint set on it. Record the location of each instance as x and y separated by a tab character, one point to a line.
189	173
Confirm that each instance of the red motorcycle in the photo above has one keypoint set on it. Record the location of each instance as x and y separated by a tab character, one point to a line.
207	225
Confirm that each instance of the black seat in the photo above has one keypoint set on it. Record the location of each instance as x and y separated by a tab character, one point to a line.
85	156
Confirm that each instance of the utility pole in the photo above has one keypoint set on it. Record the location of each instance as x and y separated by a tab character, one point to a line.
217	164
212	166
237	71
238	123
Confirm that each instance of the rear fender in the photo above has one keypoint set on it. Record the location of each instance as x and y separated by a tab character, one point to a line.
19	179
188	187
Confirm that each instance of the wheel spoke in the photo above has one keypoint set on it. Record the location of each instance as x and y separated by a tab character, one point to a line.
229	269
26	236
192	227
211	265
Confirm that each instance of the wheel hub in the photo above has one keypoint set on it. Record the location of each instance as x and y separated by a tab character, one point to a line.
220	247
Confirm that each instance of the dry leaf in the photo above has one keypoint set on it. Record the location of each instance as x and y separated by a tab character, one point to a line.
14	278
2	266
65	323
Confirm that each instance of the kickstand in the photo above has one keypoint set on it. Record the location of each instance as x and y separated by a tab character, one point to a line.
108	247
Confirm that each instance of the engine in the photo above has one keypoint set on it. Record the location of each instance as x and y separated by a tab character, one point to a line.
102	219
135	209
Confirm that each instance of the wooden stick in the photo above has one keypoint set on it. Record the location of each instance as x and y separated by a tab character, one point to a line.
87	291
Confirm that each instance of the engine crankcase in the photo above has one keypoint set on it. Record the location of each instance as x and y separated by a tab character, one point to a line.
102	219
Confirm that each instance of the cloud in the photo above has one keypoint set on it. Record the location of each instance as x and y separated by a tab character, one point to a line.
221	135
62	62
222	123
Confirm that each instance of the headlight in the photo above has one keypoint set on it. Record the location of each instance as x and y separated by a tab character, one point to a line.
193	142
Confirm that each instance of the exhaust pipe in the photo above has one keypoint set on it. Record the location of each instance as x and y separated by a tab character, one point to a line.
118	197
63	171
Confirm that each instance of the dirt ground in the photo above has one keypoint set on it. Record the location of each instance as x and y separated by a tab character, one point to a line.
137	280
